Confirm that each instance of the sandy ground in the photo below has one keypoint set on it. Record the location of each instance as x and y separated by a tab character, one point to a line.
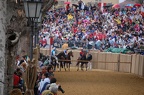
98	82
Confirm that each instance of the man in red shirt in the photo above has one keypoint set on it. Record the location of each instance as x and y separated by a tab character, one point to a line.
16	81
81	53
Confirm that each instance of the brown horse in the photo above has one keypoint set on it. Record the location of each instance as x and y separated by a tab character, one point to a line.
84	61
64	61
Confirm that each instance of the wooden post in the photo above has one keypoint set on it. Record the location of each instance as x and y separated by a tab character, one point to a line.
105	60
97	61
131	64
38	47
118	64
35	54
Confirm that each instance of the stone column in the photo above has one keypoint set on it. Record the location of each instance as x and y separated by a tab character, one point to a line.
2	44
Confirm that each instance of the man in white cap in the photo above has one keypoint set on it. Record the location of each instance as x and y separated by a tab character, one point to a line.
53	88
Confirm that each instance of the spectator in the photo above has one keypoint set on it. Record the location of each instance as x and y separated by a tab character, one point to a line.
15	92
43	83
103	28
16	81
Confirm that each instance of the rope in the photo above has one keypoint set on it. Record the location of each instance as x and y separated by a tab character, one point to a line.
93	61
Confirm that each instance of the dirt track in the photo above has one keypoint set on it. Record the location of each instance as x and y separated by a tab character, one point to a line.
98	82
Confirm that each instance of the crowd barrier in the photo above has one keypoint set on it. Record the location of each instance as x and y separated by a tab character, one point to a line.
133	63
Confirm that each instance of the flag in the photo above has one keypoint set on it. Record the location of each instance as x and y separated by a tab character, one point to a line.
102	4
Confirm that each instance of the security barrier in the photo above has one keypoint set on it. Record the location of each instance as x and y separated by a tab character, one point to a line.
138	64
125	63
111	61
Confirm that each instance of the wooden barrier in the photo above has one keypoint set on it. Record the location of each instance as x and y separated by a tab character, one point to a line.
141	65
75	57
94	61
44	51
134	68
101	60
111	61
138	65
125	63
137	62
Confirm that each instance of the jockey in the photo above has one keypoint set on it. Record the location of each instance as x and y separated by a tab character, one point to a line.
65	52
81	52
53	53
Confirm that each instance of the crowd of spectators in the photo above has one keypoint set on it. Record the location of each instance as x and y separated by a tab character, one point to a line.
90	27
84	26
46	83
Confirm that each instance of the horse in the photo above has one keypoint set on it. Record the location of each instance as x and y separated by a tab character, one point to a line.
68	60
61	57
59	61
54	62
46	60
84	60
64	60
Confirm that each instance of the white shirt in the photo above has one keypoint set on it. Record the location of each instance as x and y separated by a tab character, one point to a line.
42	82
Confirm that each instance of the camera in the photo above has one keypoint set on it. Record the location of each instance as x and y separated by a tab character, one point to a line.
60	89
53	80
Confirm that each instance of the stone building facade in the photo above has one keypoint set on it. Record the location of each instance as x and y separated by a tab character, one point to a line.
61	2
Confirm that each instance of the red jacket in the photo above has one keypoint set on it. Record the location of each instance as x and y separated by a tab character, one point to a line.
16	80
81	53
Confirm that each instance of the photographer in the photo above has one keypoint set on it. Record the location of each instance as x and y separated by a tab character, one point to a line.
53	88
53	84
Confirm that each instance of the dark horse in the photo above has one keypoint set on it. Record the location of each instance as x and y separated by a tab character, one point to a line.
64	60
46	61
84	61
68	60
54	62
60	61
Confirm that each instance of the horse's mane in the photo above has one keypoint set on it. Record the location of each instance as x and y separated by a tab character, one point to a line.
70	52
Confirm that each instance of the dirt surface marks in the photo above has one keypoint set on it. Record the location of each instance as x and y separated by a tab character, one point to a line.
98	82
